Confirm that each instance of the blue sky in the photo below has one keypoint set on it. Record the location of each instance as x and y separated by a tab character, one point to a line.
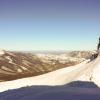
49	24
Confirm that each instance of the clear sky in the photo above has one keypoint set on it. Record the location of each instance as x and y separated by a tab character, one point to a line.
49	24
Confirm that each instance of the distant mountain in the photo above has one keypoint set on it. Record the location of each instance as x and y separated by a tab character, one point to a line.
15	65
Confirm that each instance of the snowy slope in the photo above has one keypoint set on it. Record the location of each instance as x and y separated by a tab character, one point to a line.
85	71
92	73
58	77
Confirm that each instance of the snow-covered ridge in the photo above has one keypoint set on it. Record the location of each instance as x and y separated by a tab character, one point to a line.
61	58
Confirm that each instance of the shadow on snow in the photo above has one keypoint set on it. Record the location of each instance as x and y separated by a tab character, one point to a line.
77	90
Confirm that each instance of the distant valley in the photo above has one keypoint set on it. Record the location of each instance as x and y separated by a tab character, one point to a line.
15	65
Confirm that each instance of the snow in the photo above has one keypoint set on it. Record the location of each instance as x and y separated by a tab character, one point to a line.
58	77
52	93
60	84
93	72
96	75
10	60
85	71
2	52
19	70
62	58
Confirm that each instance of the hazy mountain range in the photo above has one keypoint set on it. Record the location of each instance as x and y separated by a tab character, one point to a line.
15	65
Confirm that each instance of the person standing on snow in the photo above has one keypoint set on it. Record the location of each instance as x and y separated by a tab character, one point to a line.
98	48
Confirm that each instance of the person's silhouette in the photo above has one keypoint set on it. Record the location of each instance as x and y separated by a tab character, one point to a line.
98	48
